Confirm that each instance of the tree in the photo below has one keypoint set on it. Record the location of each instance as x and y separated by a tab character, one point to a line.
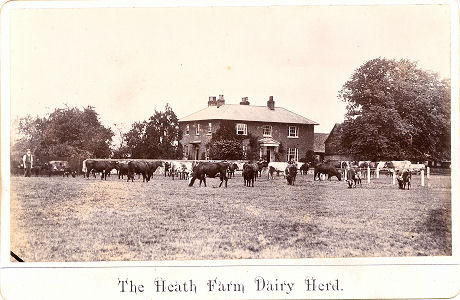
156	138
396	111
309	157
66	132
225	143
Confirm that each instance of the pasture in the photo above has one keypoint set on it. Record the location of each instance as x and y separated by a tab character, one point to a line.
77	219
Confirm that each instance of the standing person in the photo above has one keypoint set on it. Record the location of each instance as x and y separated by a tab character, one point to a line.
28	160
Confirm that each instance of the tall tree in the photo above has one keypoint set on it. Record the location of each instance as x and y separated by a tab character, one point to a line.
156	138
66	132
395	110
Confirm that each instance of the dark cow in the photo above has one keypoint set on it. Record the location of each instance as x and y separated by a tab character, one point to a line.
353	176
122	169
404	178
102	166
210	170
304	168
249	174
291	173
138	167
153	166
231	170
69	171
261	164
328	170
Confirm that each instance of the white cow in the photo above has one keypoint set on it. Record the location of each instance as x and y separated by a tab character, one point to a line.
276	166
181	169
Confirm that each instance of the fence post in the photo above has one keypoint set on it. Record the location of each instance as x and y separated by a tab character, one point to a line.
368	174
427	172
423	177
345	174
377	172
394	177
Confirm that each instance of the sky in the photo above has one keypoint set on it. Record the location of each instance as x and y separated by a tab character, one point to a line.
127	62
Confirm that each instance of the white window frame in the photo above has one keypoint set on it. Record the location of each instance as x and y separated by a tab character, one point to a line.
268	128
294	155
241	127
296	131
197	129
187	129
209	128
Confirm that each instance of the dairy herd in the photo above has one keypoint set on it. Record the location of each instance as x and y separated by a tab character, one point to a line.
250	171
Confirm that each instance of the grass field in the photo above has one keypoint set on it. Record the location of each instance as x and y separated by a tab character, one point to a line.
77	219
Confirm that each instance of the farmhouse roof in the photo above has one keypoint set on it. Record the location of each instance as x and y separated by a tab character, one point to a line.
248	113
319	142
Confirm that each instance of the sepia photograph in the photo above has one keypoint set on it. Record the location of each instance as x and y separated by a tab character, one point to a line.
233	133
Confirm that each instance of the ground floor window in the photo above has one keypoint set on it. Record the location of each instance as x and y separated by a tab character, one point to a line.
293	154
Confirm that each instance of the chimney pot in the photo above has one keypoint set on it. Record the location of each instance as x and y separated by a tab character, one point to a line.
212	101
220	101
271	103
244	101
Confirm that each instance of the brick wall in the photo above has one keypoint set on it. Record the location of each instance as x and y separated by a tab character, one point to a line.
303	143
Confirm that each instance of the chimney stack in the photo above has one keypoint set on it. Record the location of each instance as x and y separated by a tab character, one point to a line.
220	101
212	101
244	101
271	103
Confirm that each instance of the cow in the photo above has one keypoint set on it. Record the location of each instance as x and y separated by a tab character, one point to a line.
276	166
353	176
261	165
178	169
328	170
153	166
102	166
417	168
122	168
304	168
69	171
138	167
394	165
249	174
403	178
210	170
291	172
231	170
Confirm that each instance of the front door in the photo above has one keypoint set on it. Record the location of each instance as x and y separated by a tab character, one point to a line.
268	154
197	152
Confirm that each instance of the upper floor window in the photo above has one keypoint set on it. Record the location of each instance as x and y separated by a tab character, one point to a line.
187	129
209	128
241	129
293	131
293	154
267	130
197	129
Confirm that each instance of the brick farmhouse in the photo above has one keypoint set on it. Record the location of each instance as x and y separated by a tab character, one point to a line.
272	126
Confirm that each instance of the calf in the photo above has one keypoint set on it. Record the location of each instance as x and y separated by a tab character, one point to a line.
291	173
353	176
249	174
304	168
276	166
403	178
231	170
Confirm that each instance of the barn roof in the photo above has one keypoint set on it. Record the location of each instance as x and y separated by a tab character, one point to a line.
253	113
319	142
